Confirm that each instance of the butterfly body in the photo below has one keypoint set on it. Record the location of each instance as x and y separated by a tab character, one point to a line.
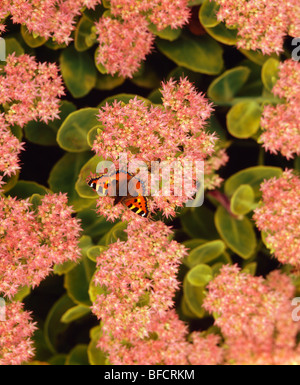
125	188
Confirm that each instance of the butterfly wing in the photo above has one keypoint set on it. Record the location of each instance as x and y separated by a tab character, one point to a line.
101	184
138	205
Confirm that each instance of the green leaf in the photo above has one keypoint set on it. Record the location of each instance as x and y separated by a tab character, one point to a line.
253	176
64	268
199	275
31	40
194	288
297	163
195	2
238	234
123	98
92	134
94	225
75	313
115	233
199	223
63	177
24	189
53	327
191	244
181	72
94	252
78	356
206	253
269	73
200	54
22	293
257	56
72	135
222	34
58	360
108	82
146	77
77	282
94	290
226	86
85	36
95	355
10	182
168	33
208	14
13	46
45	134
250	268
243	119
242	201
82	188
78	71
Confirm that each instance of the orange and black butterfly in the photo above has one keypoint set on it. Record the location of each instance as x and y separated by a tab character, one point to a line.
117	182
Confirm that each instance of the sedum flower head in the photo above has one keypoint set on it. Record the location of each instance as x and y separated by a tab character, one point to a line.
138	282
48	18
32	241
261	24
173	132
124	35
278	216
10	148
254	315
162	13
29	90
138	278
123	44
281	123
16	330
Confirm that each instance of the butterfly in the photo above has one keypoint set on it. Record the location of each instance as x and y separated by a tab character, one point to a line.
121	181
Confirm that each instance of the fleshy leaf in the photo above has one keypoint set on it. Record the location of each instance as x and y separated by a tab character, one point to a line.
72	134
253	176
78	71
243	119
200	54
206	253
269	73
226	86
242	201
238	234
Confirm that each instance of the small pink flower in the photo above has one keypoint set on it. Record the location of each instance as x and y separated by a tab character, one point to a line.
254	316
123	44
171	137
31	242
16	346
261	24
29	90
278	216
281	123
10	148
48	18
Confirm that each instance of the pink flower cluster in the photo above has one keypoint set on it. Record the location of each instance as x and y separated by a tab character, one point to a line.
47	18
278	216
123	44
261	24
16	330
10	147
281	123
255	317
124	36
29	90
138	280
32	241
174	132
